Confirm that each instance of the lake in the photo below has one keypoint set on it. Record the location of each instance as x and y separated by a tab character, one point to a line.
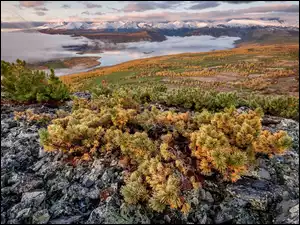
41	47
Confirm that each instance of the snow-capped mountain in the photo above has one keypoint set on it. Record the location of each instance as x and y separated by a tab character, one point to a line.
75	26
244	22
172	25
52	25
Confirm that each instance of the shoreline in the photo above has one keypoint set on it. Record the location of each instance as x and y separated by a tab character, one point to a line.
153	57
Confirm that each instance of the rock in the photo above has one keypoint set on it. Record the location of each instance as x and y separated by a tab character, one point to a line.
24	213
264	174
14	178
41	152
97	216
114	163
85	95
287	212
167	218
243	109
11	124
57	186
267	120
234	210
269	193
201	218
88	182
38	165
66	220
3	219
94	194
61	208
33	199
29	183
41	217
106	177
208	197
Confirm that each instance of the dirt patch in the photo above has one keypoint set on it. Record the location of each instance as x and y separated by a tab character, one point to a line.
224	77
256	75
283	85
289	63
264	56
214	67
251	60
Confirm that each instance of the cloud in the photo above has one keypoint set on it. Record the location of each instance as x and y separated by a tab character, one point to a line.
31	4
86	13
96	13
147	5
76	18
270	10
90	5
205	5
99	13
41	9
40	13
138	7
273	8
115	9
239	2
65	6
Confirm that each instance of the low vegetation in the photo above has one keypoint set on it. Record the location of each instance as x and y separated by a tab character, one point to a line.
21	84
168	128
165	153
260	69
84	62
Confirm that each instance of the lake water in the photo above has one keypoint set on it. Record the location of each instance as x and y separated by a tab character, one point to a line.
38	47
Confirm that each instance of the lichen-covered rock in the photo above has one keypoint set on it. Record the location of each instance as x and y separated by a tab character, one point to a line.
85	95
39	187
41	217
33	199
288	212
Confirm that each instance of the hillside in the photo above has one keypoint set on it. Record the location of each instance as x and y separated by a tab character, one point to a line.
157	140
265	69
115	37
85	62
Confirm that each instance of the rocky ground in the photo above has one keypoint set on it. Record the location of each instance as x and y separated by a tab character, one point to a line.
41	188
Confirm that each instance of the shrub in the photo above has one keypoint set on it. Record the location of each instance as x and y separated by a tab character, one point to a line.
285	106
165	166
228	142
21	84
30	117
197	99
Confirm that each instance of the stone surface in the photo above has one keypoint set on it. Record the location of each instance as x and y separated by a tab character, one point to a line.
41	217
39	187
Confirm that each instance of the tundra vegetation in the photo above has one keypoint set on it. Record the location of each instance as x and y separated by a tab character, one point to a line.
169	132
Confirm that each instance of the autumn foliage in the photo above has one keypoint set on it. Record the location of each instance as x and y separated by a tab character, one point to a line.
165	153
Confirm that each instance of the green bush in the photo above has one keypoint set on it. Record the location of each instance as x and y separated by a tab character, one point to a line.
21	84
198	99
285	106
165	152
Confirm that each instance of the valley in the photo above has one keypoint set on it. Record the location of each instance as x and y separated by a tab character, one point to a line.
265	69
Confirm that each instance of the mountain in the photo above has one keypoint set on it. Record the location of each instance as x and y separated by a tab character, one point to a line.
262	23
171	25
129	31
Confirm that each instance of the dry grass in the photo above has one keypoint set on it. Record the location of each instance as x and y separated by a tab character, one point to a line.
259	68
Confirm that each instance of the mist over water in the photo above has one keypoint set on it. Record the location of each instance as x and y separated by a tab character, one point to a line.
173	45
34	47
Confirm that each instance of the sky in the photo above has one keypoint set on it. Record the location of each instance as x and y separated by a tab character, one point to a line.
96	11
